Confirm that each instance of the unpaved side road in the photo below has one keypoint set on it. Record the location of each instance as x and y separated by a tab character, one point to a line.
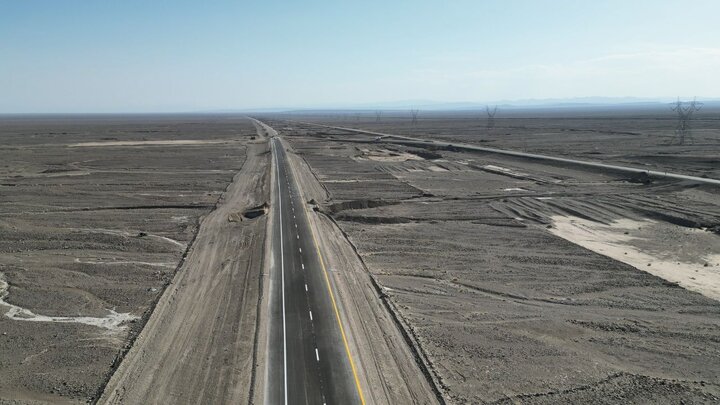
199	343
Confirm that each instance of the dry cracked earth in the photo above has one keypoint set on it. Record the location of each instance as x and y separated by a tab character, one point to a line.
515	281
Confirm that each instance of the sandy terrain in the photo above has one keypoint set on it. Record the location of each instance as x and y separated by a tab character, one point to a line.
196	346
90	237
462	277
692	260
499	306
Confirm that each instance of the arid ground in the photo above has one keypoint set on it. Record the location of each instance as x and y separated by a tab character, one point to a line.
466	277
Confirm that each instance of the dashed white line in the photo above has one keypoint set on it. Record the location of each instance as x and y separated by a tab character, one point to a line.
306	287
282	283
297	236
311	315
317	355
300	249
303	265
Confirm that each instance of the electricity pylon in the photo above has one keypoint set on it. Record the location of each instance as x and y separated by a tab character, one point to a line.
684	110
490	116
414	113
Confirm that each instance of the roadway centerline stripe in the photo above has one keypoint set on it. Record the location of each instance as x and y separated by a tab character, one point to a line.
337	312
311	315
282	281
297	236
303	265
337	315
300	249
306	287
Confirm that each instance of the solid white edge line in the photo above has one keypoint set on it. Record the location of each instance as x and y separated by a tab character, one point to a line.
282	283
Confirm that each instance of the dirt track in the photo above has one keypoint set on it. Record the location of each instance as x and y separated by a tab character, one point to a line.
85	231
198	346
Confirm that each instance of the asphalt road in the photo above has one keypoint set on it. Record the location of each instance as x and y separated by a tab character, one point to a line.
309	361
407	140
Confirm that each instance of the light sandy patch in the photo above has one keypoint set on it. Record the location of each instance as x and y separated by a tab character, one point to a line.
149	143
514	189
114	321
348	181
384	155
132	234
504	171
121	262
434	168
689	257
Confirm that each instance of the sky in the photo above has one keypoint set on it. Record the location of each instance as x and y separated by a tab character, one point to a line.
80	56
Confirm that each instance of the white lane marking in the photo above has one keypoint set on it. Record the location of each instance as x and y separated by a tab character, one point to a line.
305	287
293	216
282	283
303	265
297	236
295	226
317	355
311	315
300	249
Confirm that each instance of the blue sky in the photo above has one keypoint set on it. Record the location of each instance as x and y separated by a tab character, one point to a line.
146	56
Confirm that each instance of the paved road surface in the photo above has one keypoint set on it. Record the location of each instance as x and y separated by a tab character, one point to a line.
308	357
407	140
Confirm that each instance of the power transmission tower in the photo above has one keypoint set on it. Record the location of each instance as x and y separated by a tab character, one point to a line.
685	111
414	113
490	116
378	115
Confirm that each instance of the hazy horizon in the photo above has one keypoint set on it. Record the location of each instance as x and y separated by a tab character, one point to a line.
183	56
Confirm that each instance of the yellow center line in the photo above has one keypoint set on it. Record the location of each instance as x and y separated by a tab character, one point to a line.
337	312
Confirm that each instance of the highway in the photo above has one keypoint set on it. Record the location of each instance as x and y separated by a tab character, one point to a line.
308	358
407	140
